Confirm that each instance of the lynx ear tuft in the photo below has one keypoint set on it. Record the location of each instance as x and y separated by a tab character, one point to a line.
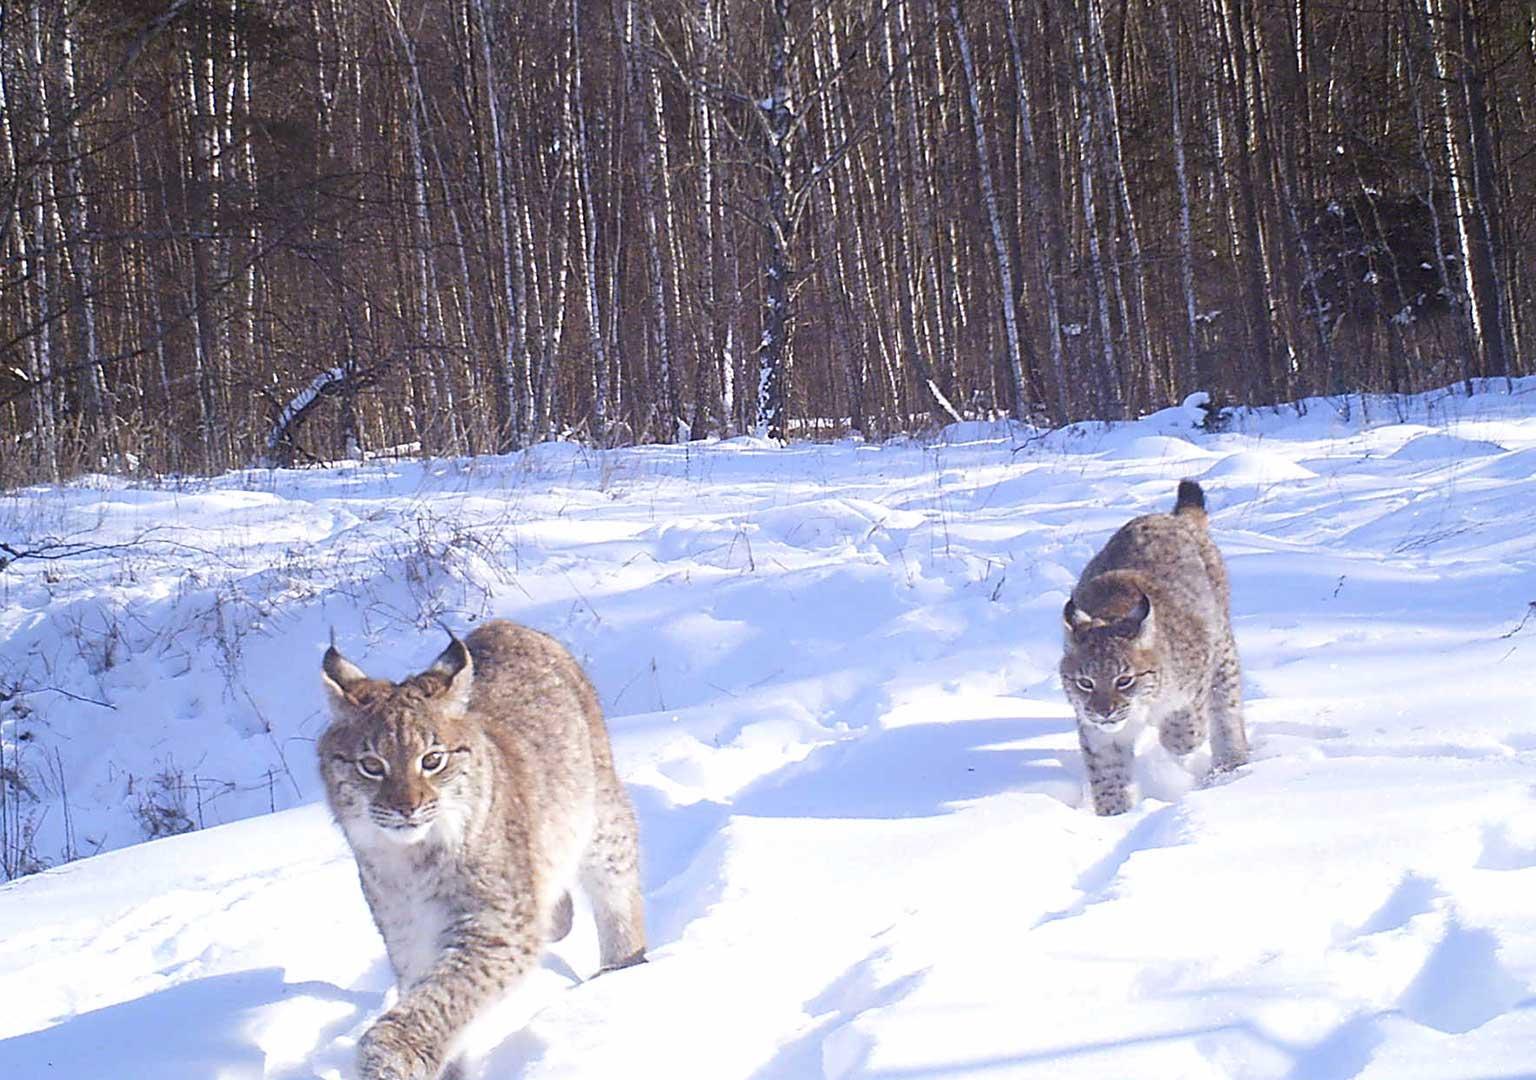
341	676
457	667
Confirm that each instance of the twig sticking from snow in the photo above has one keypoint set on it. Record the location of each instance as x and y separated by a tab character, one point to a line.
73	697
1530	610
51	549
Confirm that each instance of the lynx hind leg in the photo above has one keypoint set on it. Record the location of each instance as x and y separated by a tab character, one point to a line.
1109	774
560	919
1183	730
610	874
1229	735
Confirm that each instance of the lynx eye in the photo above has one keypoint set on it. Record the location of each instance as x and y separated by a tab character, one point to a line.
372	767
432	761
1085	684
1124	682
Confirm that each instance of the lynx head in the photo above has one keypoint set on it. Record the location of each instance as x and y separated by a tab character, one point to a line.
396	755
1111	668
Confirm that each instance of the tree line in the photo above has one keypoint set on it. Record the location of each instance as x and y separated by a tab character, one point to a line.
273	231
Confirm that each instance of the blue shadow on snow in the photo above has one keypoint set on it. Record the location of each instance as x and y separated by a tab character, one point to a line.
193	1029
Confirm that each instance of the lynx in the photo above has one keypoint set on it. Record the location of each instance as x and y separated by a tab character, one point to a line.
473	796
1149	642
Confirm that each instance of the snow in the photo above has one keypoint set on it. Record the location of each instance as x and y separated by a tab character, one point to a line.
1258	467
830	676
1438	446
1158	448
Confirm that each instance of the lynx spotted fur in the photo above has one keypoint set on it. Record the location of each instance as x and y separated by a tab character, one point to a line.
473	796
1149	642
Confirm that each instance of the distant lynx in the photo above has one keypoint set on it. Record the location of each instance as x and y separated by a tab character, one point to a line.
1149	641
473	795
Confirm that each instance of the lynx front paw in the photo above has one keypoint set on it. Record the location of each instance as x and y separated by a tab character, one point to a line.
1228	760
387	1052
637	957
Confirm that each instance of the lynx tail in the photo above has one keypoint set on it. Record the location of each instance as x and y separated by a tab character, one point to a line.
1191	499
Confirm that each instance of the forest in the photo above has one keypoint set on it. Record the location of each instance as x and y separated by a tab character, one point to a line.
238	233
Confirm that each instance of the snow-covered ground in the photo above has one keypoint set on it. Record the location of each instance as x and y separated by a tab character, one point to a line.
830	676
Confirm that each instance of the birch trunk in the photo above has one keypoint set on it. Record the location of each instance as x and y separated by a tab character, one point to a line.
1460	199
921	153
587	225
1450	282
514	354
1193	364
644	88
1251	256
1111	397
1042	214
711	374
32	244
439	430
100	410
1489	286
196	177
905	267
773	347
1134	297
1020	403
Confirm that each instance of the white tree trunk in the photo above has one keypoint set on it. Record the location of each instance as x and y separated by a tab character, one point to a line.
1046	237
1135	320
441	399
101	413
1020	388
1186	242
1110	396
773	347
587	223
514	346
297	408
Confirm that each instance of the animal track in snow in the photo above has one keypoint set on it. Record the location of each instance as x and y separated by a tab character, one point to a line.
1462	984
1501	851
1414	895
1162	828
831	1048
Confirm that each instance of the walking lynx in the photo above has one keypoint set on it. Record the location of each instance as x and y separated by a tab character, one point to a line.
474	795
1149	642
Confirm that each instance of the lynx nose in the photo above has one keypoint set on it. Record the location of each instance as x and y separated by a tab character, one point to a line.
414	810
404	800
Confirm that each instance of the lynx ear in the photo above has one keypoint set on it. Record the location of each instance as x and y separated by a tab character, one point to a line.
1076	618
456	666
1139	623
340	675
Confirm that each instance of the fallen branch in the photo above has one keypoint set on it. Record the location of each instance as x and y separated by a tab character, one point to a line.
50	550
1530	610
72	697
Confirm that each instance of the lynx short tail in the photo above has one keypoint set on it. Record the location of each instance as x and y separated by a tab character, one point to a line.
1191	499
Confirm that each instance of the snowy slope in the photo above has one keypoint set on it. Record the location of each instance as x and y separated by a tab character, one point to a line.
830	677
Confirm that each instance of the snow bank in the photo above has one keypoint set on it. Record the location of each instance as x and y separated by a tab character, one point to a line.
1256	467
1438	446
1157	448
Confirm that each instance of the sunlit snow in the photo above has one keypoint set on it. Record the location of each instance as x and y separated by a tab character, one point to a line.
830	676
